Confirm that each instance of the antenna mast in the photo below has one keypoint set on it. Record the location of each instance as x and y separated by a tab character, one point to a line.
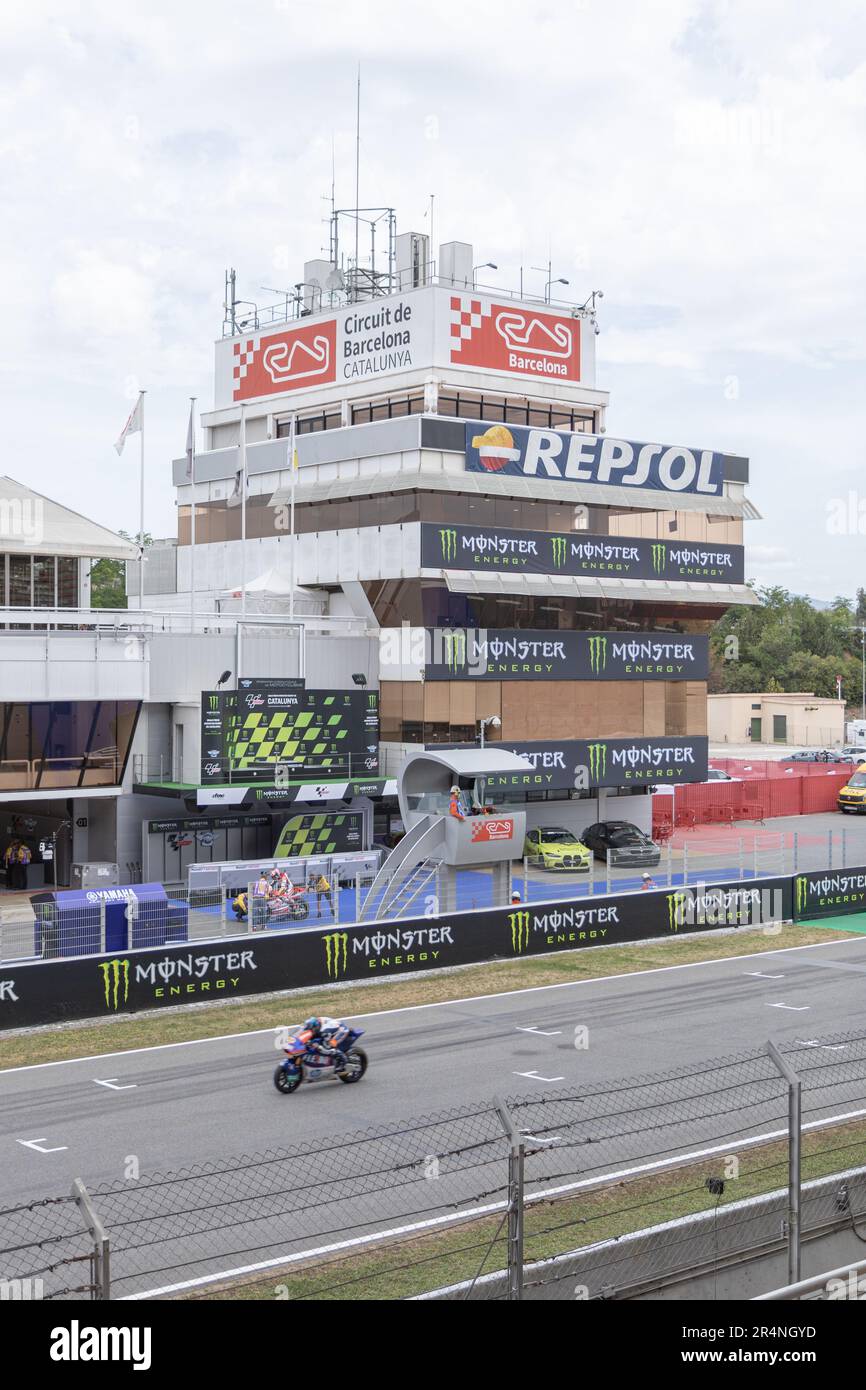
357	176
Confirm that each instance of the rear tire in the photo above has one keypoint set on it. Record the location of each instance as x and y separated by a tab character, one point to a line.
285	1081
356	1066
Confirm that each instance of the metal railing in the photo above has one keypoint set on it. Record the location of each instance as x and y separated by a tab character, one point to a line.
207	914
165	767
642	1185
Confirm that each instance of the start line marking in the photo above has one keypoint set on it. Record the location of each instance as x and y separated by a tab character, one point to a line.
35	1144
533	1076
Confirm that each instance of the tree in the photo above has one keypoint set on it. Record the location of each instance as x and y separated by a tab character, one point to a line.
108	577
784	644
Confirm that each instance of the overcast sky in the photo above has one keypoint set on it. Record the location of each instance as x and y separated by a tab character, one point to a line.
702	163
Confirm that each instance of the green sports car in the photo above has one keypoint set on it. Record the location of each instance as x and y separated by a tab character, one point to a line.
552	847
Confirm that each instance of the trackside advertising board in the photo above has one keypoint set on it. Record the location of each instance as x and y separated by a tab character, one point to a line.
498	550
613	762
126	982
258	730
592	458
829	893
498	654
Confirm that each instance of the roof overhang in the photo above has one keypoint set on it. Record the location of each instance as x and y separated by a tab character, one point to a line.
429	478
628	590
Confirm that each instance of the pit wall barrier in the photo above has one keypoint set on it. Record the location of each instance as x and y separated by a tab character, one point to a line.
125	982
752	799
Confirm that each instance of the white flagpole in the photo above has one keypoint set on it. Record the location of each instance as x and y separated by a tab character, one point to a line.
141	512
192	401
243	530
292	447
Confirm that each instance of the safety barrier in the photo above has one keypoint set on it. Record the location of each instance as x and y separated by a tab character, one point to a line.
753	798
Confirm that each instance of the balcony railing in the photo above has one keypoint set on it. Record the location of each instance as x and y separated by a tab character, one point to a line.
358	767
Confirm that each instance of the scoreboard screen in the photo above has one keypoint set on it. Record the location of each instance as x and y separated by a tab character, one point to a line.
258	729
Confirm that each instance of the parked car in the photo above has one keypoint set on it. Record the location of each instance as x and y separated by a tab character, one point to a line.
627	844
716	774
852	797
553	847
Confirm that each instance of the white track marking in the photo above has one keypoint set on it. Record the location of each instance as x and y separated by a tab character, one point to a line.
759	975
534	1076
112	1084
794	1008
439	1004
35	1145
540	1033
358	1242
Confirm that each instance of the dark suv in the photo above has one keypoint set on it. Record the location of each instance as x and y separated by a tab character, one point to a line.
627	844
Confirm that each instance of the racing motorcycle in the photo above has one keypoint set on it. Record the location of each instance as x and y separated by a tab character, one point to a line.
304	1064
279	908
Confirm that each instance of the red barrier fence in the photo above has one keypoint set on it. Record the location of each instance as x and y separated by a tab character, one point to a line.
753	799
777	767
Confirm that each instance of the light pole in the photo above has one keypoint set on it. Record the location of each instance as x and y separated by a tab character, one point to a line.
550	279
488	265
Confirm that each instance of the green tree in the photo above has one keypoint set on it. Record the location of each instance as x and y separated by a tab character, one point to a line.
783	643
108	577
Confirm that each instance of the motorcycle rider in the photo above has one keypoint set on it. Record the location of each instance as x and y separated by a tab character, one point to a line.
279	884
326	1037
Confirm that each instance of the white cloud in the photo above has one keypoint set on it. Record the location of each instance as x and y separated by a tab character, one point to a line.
701	158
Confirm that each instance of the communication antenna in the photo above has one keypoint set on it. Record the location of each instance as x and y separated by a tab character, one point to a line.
357	171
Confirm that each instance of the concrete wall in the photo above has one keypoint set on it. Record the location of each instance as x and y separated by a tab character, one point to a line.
73	666
810	719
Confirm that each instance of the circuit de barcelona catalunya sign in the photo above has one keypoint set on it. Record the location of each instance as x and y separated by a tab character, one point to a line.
497	654
498	550
592	458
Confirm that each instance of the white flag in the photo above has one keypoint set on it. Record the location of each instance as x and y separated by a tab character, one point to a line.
238	490
134	423
190	443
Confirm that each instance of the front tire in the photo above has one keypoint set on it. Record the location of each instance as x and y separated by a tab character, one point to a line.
356	1065
285	1081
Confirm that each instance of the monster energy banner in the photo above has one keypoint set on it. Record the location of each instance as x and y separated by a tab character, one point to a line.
486	548
829	893
614	762
592	458
498	654
249	734
125	982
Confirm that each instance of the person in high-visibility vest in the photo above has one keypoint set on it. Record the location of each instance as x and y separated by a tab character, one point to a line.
454	806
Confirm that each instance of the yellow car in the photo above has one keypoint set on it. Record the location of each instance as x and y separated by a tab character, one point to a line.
552	847
852	797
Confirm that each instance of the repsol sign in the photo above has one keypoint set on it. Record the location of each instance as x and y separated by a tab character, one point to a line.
505	654
501	550
593	458
129	982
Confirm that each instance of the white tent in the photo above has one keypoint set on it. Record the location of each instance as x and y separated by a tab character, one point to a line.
273	583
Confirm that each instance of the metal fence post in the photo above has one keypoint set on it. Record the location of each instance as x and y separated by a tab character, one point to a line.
607	858
357	895
795	1100
516	1164
526	878
669	860
101	1247
755	857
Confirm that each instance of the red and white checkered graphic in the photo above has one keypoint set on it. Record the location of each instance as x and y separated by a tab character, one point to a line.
244	355
467	315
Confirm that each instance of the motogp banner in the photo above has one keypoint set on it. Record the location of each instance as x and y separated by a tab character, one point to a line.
498	654
592	458
499	550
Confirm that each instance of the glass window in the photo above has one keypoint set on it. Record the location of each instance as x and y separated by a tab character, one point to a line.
43	581
19	581
67	582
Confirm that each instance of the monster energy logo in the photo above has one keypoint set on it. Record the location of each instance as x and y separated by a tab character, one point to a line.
455	650
448	544
676	903
213	701
115	972
801	888
519	923
559	546
597	654
336	953
659	555
371	701
597	761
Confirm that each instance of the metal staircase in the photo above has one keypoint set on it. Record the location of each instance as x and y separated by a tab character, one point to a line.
408	868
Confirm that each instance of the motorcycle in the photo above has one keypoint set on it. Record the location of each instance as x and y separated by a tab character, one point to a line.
284	907
303	1064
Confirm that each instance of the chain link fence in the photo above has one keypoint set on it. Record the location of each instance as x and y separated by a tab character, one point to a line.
613	1189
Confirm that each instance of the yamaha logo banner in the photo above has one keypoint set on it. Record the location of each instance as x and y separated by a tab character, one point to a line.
501	550
526	654
592	458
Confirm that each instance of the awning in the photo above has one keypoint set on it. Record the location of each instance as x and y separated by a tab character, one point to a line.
535	489
577	586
